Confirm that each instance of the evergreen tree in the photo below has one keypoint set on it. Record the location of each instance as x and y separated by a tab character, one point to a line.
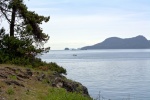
26	37
22	21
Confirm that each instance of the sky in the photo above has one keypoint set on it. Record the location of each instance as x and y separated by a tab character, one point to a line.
78	23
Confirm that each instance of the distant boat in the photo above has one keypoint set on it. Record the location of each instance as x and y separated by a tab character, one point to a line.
74	55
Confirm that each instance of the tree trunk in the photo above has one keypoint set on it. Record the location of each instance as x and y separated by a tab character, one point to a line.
12	24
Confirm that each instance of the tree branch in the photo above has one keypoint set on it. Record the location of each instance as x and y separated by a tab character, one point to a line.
5	15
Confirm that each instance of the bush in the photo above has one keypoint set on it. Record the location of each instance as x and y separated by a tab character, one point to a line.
10	91
21	51
54	67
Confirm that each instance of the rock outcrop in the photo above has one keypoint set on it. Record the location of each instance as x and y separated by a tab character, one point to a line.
21	77
59	81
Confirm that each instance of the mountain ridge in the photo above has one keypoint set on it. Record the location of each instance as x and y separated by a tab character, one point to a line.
138	42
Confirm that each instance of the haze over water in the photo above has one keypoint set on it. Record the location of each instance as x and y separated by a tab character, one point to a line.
115	74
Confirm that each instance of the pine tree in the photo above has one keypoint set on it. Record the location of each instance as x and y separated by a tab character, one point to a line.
26	37
23	22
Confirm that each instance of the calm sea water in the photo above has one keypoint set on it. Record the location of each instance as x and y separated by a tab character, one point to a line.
111	74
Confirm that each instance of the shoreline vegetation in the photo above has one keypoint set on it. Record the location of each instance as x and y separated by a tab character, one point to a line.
22	83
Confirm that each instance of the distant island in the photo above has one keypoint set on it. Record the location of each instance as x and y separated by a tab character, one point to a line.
138	42
66	49
71	49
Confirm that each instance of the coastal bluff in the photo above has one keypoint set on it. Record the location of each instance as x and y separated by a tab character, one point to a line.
19	83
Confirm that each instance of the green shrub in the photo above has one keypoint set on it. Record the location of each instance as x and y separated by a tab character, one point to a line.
54	67
21	51
13	77
10	91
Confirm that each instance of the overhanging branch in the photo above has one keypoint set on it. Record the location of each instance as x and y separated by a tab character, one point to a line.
2	10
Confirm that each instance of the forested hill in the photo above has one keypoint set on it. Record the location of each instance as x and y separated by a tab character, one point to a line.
138	42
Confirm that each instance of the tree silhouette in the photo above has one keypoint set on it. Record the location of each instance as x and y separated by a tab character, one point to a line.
26	38
23	22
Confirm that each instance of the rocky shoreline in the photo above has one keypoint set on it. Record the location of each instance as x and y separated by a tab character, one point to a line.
21	77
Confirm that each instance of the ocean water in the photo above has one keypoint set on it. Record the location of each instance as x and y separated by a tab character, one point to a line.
108	74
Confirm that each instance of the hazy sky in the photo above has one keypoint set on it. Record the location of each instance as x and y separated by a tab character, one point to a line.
77	23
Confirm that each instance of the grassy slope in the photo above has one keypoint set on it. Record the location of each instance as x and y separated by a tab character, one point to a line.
36	90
